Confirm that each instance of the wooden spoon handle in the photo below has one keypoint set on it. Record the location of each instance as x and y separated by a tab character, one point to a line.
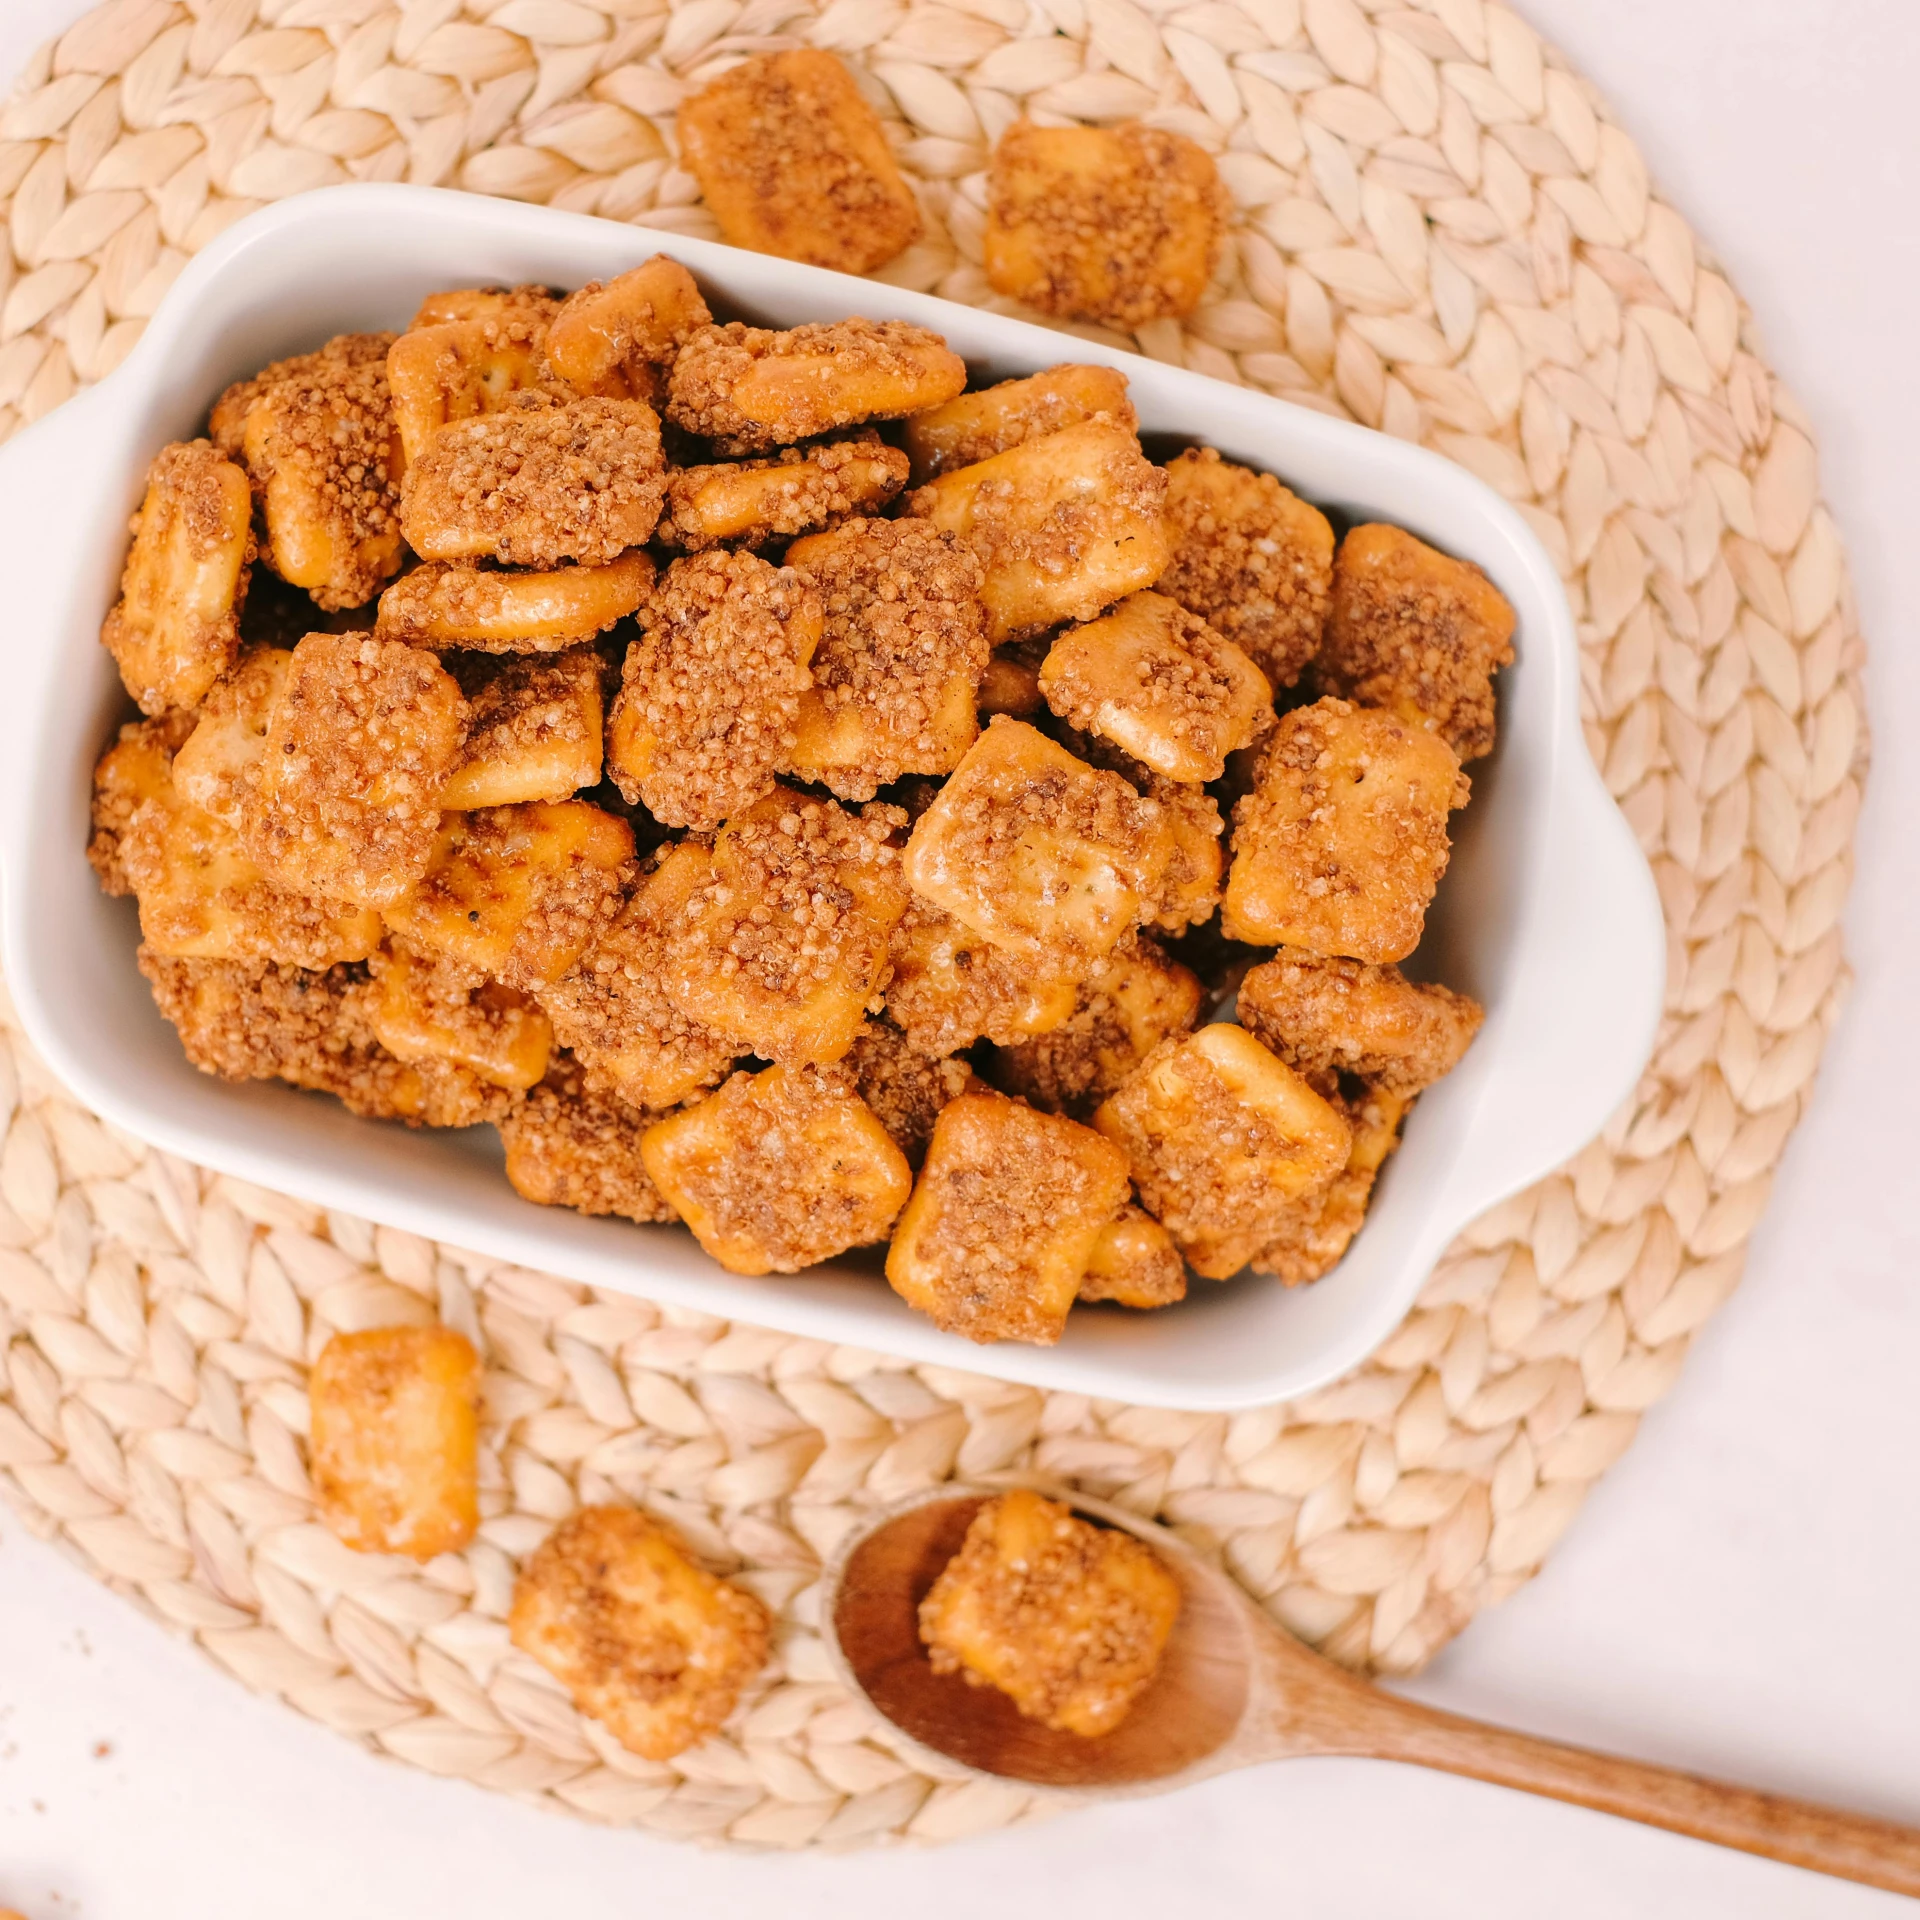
1850	1846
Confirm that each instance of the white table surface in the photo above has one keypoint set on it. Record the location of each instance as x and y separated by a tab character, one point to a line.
1738	1596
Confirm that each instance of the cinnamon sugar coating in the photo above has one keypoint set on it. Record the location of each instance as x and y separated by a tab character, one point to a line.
1159	683
1190	890
1132	1001
784	943
1037	851
426	1007
792	160
137	767
218	765
538	483
265	1022
535	728
653	1647
1067	1619
1063	525
623	335
950	988
357	752
457	368
1119	224
1251	559
904	1087
519	892
1341	844
260	1021
1341	1016
568	1146
318	438
446	605
1003	1219
345	352
1318	1228
201	896
611	1007
902	646
710	693
750	388
1135	1264
176	628
779	1170
1418	633
976	426
1221	1137
751	502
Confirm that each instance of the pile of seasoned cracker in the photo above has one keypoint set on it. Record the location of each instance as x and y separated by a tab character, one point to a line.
787	793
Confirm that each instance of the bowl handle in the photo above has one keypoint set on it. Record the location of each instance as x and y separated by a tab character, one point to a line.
1608	958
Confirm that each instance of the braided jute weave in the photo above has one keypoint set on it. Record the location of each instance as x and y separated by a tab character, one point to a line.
1438	232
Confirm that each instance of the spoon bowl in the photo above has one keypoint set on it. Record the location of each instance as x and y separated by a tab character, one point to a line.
1233	1689
1187	1717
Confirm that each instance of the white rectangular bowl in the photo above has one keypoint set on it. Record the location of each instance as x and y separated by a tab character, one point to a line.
1548	915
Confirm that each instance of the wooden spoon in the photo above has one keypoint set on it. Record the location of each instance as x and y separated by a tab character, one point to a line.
1234	1689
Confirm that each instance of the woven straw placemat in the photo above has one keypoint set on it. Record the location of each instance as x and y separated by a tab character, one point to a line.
1439	232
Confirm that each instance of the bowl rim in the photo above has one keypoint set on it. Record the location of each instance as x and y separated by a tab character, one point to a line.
1621	911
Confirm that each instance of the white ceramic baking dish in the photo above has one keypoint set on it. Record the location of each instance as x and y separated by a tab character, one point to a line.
1548	914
